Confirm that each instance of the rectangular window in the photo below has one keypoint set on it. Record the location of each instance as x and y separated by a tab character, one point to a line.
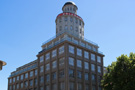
79	86
93	57
61	50
47	56
98	59
31	82
41	79
71	61
47	78
47	67
79	74
54	87
79	52
93	78
86	87
13	79
17	78
41	88
61	74
54	53
35	81
54	76
35	72
47	87
86	65
99	80
92	67
62	86
86	54
86	76
10	80
71	86
71	49
71	73
93	87
31	73
22	85
61	61
99	69
41	59
13	87
65	18
17	86
41	69
21	77
79	63
54	64
26	84
26	75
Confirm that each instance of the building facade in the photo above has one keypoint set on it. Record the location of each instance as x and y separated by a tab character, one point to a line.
66	62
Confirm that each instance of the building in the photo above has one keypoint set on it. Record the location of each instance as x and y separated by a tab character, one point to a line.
66	62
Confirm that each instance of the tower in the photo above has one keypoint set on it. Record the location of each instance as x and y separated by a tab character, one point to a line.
66	62
69	21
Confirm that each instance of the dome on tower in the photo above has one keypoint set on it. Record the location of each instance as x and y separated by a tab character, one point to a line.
70	3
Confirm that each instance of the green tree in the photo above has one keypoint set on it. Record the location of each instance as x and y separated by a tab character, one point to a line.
120	74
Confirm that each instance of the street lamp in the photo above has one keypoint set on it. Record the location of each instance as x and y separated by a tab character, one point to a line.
2	63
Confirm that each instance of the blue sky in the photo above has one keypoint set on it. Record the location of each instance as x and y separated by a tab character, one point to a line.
26	24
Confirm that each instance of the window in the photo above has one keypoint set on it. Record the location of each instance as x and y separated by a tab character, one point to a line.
86	65
86	76
71	61
47	67
17	78
13	87
35	82
99	80
41	59
93	87
66	27
80	31
47	87
93	78
99	88
79	86
61	61
92	67
71	86
71	49
62	86
71	27
26	75
76	29
31	82
60	20
41	79
54	76
99	69
22	85
61	50
31	73
13	79
17	86
86	87
21	77
54	53
61	74
26	84
41	69
54	87
79	63
79	52
79	22
98	59
10	80
60	28
79	74
54	64
47	56
10	87
86	54
71	19
93	57
71	73
65	18
47	78
41	88
76	20
35	72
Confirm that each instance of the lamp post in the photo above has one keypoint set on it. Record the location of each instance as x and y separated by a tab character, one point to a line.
2	63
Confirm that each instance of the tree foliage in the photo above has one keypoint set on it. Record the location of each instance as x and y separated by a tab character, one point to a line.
120	74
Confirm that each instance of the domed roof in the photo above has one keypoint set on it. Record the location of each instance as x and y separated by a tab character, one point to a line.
69	3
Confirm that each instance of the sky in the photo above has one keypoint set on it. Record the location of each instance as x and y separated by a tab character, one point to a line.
26	24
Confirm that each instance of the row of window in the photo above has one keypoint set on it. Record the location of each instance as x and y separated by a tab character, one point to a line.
71	50
23	76
25	84
71	20
69	9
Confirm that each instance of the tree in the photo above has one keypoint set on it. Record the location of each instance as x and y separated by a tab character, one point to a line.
120	74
